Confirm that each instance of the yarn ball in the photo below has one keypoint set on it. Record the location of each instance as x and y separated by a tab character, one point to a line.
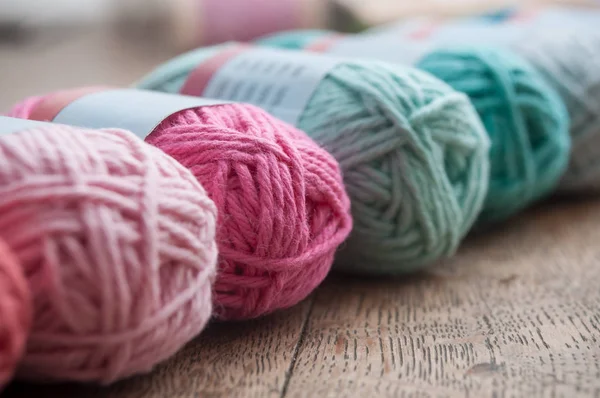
413	153
569	59
525	118
15	313
282	207
117	241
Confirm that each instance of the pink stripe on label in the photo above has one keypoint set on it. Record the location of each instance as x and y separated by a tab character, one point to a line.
324	44
51	106
425	31
245	20
524	16
198	79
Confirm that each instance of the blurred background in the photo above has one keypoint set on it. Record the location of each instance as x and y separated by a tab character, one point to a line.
51	44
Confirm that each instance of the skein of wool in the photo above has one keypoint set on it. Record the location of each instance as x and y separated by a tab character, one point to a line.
15	313
283	210
562	44
525	119
412	150
117	242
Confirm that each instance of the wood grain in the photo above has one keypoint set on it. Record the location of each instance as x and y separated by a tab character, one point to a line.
515	314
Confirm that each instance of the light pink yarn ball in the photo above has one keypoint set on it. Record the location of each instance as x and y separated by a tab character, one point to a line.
117	241
15	313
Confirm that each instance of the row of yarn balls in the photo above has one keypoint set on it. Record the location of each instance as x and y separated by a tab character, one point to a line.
116	252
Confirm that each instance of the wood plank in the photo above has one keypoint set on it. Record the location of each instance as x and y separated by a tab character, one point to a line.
245	359
515	314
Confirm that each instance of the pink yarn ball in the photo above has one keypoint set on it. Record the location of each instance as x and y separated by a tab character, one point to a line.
283	210
117	241
15	313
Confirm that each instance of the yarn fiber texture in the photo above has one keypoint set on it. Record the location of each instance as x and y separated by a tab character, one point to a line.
117	241
525	118
569	59
412	151
15	313
283	210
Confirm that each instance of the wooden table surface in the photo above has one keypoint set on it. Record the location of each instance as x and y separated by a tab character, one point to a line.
516	313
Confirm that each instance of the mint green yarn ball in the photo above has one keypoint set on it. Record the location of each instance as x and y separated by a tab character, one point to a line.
413	153
526	120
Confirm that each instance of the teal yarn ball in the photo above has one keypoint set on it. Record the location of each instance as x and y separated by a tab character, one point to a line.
569	59
412	150
525	118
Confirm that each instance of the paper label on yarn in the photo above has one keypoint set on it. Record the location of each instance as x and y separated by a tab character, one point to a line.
408	42
555	17
279	81
138	111
416	37
406	45
10	125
